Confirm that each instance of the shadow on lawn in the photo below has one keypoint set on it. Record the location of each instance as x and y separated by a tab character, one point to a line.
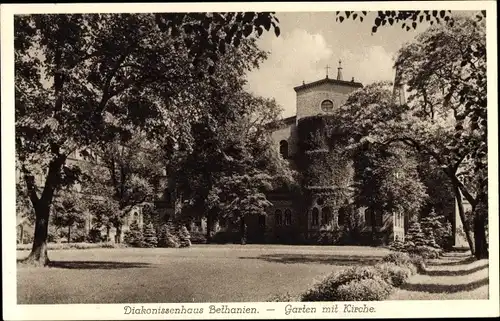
318	258
467	260
456	272
96	265
445	288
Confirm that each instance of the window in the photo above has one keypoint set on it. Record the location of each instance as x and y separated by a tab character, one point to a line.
262	221
327	105
284	149
288	217
326	215
315	217
368	217
341	216
278	217
379	218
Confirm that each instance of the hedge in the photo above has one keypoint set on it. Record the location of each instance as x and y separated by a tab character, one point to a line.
363	283
72	246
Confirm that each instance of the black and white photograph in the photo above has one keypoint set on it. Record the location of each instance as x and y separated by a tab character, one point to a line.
228	163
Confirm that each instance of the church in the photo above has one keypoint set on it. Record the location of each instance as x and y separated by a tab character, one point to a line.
322	212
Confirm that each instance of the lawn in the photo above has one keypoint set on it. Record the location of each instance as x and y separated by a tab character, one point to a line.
453	277
202	273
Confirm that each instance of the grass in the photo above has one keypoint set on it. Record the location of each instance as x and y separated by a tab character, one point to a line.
202	273
452	277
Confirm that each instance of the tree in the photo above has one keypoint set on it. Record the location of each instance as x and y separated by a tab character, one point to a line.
80	77
409	19
69	210
387	180
128	174
458	85
380	122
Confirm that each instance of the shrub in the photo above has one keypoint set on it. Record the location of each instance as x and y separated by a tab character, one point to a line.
397	246
184	237
327	290
198	238
425	251
150	239
401	259
394	274
373	289
284	297
134	236
69	246
418	262
94	236
168	236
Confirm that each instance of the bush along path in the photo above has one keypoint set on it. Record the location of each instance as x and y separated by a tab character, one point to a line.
401	276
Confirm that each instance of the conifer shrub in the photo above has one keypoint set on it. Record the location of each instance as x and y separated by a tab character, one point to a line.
168	236
184	236
134	236
150	239
415	236
437	230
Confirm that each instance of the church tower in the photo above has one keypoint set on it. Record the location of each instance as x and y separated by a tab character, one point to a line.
327	172
324	96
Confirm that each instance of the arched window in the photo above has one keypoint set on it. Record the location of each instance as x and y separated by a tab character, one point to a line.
326	215
315	217
327	105
278	217
341	217
284	149
288	217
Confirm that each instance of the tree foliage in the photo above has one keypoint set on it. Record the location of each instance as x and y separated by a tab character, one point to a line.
445	118
408	19
83	79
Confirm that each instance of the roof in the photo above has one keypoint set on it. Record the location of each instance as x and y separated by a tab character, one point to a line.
329	81
280	123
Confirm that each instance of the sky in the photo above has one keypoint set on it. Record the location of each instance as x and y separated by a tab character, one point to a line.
310	41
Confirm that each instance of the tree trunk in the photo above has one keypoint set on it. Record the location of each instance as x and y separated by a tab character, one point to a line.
210	225
22	234
118	236
38	255
461	211
69	234
243	231
481	242
107	234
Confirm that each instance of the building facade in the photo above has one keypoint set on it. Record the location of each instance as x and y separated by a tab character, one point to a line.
323	212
